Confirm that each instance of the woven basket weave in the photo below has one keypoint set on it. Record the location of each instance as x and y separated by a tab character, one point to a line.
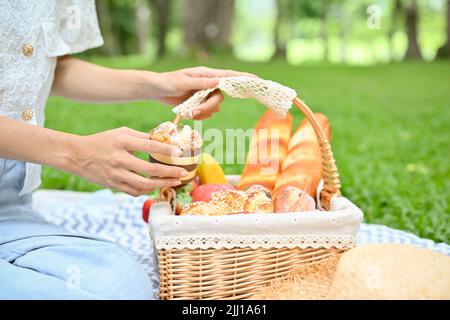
238	272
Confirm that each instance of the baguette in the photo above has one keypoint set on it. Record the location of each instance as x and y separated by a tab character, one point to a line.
268	149
302	167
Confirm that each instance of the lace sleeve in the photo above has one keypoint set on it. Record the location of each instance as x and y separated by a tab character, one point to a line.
71	28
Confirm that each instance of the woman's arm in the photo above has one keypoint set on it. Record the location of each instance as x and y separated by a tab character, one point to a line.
86	82
82	81
104	158
21	141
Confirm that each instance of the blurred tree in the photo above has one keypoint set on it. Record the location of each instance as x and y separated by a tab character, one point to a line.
318	11
285	18
162	9
324	30
411	20
123	25
142	18
289	13
444	51
344	30
280	48
104	14
396	16
207	24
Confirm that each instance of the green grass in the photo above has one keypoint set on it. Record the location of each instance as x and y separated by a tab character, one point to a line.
390	131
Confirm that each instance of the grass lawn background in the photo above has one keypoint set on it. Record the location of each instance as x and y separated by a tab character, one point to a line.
390	131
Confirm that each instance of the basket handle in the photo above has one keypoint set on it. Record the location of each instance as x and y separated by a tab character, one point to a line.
278	98
330	175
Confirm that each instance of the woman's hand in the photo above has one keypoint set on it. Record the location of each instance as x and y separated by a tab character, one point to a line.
104	158
175	87
107	159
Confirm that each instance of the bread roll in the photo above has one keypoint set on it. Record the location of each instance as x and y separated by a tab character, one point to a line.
197	208
268	149
232	200
305	131
302	167
226	202
258	202
292	199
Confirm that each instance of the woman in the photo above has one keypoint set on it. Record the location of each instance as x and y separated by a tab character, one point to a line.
39	260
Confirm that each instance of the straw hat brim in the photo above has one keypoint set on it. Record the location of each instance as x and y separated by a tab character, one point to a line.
375	271
391	271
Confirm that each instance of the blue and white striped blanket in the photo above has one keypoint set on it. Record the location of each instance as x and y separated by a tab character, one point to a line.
119	219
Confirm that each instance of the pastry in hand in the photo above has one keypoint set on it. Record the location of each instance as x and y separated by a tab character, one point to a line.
183	137
186	139
292	199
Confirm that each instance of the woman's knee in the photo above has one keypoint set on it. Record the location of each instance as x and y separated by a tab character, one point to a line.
77	265
117	275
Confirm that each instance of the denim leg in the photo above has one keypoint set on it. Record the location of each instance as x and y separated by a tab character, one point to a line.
22	283
39	260
70	267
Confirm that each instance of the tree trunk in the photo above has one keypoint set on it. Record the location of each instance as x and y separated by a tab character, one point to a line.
193	22
224	20
344	31
110	47
279	44
324	31
163	13
412	51
142	18
444	51
284	20
396	15
207	24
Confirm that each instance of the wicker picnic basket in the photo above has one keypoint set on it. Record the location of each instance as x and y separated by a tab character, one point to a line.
232	257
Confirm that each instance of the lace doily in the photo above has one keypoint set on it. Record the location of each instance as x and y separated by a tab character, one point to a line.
271	94
336	228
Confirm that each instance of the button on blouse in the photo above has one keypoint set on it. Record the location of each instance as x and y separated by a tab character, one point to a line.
27	50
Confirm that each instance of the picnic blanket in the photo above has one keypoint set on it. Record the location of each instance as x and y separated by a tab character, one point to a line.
118	218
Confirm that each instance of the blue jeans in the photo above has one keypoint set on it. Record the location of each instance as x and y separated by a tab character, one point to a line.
40	260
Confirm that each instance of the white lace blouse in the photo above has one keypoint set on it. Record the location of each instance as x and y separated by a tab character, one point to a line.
33	34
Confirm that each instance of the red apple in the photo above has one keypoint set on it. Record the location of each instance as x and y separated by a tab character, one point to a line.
146	209
204	191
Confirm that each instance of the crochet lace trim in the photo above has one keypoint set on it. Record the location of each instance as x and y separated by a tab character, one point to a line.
254	242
